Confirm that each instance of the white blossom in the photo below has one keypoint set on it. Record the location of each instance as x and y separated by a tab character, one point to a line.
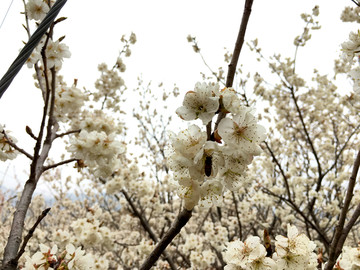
295	251
201	103
37	9
242	134
250	254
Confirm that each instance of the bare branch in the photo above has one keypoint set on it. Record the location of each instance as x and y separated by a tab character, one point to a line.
31	232
45	168
341	234
235	57
68	133
181	220
239	43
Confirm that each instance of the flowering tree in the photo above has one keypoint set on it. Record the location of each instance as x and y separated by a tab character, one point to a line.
222	193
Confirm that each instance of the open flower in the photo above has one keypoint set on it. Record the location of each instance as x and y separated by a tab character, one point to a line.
295	251
37	9
250	254
242	134
201	103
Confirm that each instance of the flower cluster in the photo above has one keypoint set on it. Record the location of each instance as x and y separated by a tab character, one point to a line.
204	162
68	102
98	150
55	53
351	50
90	232
108	85
293	252
70	258
6	150
250	254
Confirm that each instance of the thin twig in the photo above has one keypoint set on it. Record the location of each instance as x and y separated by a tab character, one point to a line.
281	170
45	168
68	133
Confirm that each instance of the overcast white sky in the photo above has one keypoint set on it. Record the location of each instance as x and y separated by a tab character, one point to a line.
94	28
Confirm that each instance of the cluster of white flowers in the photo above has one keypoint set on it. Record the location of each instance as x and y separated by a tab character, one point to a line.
351	47
203	166
55	53
108	83
127	177
250	254
96	120
6	151
68	102
98	150
351	50
294	252
351	14
70	258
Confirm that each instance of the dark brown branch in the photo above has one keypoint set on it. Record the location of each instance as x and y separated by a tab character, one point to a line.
12	264
307	221
239	43
31	232
45	168
174	230
68	133
340	233
308	139
219	256
235	57
281	170
203	221
41	151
